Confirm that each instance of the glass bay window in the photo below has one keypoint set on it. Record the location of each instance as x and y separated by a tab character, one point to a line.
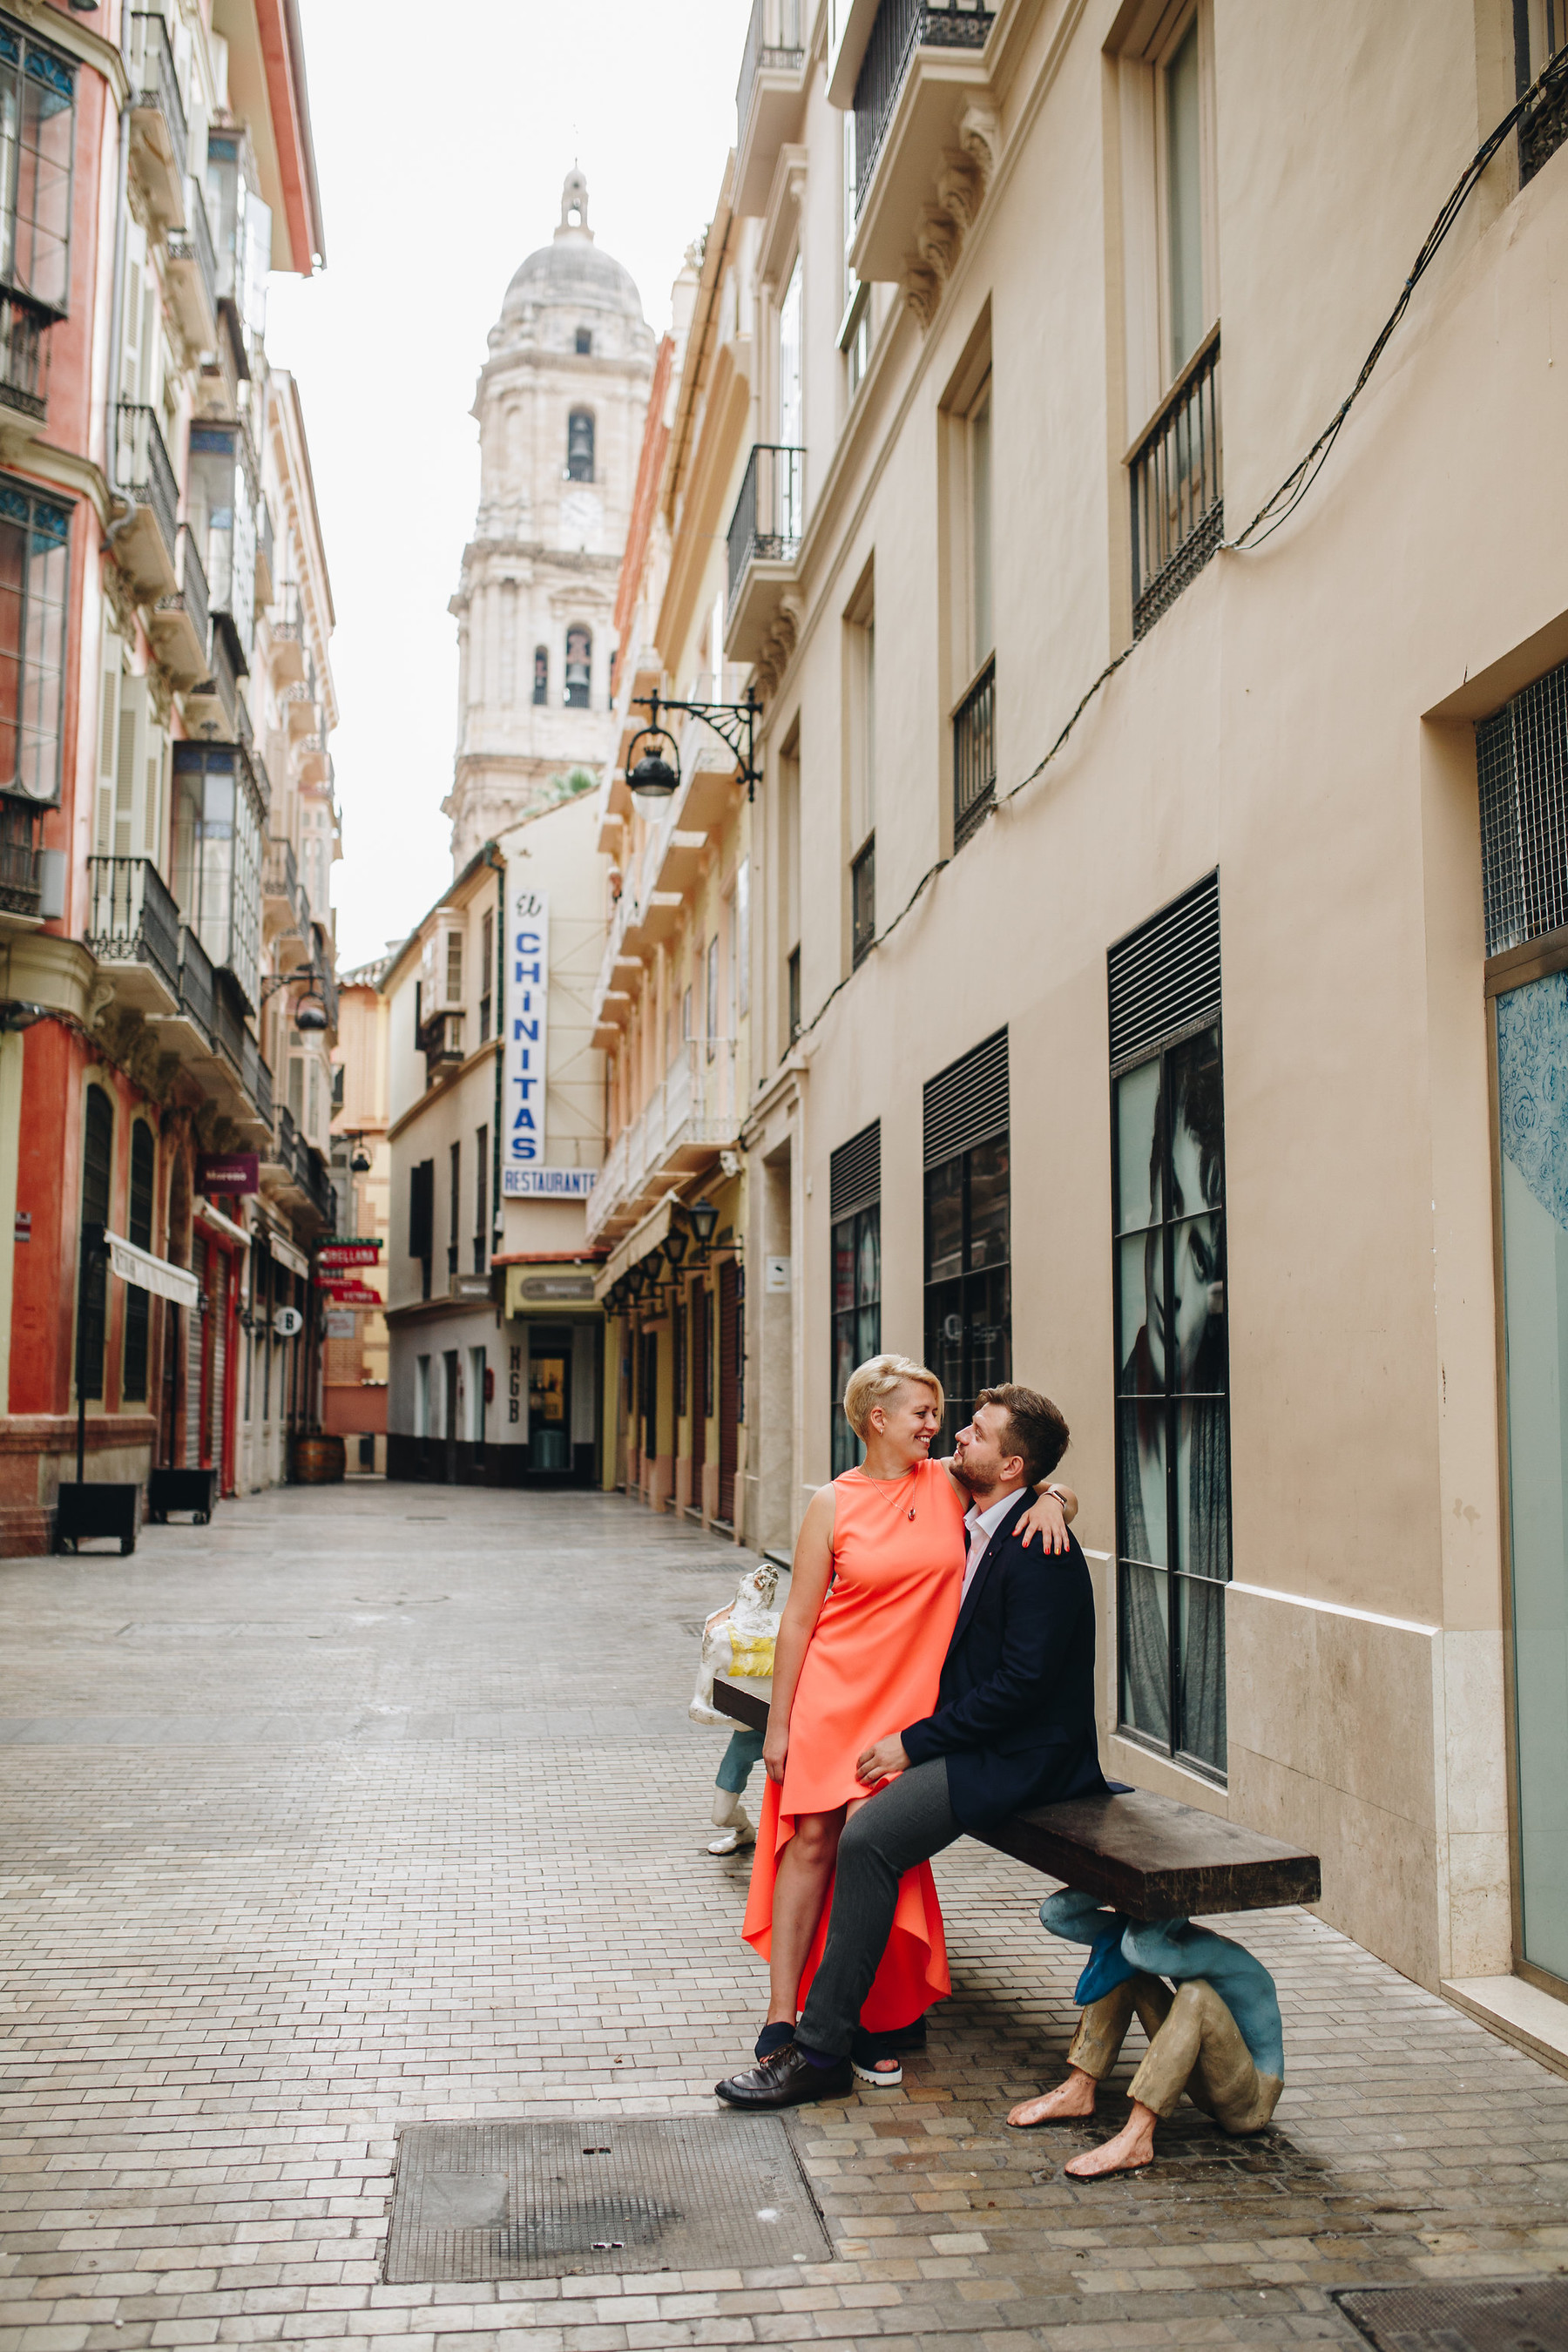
220	823
37	114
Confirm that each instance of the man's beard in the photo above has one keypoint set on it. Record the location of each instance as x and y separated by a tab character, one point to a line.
965	1478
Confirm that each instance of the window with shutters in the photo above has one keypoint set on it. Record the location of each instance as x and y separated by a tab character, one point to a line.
37	117
34	532
132	765
422	1218
1173	1424
968	1296
138	1229
97	1184
854	1212
487	971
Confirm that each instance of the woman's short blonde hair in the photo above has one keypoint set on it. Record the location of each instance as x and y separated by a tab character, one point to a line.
878	1379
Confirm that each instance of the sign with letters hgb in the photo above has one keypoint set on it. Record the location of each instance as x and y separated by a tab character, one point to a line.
527	1029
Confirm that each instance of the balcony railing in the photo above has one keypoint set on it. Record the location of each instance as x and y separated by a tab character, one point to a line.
863	903
1177	484
974	754
281	873
21	887
193	246
198	989
770	513
1543	130
774	44
693	1108
141	469
256	1077
154	87
131	917
900	27
23	355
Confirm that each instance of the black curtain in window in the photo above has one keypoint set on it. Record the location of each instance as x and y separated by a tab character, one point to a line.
138	1228
96	1182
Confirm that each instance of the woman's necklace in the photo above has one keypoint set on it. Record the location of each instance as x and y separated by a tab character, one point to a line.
892	1481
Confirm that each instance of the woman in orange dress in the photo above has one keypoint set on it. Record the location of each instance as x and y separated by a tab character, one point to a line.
873	1599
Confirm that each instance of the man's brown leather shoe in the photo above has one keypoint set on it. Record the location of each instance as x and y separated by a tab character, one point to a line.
786	2080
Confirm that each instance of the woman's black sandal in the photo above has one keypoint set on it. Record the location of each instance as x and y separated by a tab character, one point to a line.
867	2048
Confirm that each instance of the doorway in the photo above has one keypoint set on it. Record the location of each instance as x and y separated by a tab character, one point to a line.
450	1427
549	1403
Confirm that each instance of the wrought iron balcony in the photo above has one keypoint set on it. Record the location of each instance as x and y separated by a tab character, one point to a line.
1177	484
181	623
21	854
974	754
133	926
143	476
216	700
764	540
23	355
193	271
863	903
1545	127
157	116
256	1077
198	987
767	97
441	1041
280	887
900	28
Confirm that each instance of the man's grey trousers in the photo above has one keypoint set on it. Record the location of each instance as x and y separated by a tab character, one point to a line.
904	1823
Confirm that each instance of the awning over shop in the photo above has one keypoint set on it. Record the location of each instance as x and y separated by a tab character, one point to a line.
284	1251
215	1220
636	1244
550	1292
154	1273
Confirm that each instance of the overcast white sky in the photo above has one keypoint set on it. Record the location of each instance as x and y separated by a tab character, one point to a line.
441	154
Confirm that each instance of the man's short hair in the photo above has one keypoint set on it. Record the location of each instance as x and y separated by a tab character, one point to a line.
1034	1428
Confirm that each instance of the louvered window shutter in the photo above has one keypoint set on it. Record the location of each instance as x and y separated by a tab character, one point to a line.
133	315
1164	976
151	844
130	767
108	747
967	1103
855	1172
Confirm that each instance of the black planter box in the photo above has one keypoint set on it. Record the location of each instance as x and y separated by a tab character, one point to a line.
97	1510
182	1490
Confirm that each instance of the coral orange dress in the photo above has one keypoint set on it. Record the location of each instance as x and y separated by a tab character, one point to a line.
873	1666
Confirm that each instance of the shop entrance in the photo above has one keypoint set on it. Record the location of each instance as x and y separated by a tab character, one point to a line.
549	1401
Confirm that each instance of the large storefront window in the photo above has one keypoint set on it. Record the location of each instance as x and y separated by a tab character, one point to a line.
968	1219
1172	1429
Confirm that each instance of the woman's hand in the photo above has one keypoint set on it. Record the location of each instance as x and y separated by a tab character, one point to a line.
1045	1518
776	1748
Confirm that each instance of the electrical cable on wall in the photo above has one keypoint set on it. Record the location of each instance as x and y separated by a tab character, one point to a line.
1278	510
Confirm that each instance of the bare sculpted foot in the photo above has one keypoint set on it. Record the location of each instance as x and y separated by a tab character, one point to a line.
1069	2100
1132	2150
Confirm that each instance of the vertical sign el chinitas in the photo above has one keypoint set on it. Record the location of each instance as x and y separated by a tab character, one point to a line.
527	1028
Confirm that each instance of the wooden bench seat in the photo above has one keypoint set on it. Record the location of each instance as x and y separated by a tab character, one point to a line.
1149	1856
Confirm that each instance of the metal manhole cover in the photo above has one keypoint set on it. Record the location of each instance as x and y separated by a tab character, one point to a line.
1487	2315
553	2199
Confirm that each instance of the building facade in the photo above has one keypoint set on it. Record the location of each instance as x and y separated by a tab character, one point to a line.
559	409
355	1352
1158	917
163	165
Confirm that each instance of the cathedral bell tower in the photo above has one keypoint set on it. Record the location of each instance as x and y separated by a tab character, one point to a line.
560	407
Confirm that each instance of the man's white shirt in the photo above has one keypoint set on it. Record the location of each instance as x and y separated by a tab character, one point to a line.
982	1526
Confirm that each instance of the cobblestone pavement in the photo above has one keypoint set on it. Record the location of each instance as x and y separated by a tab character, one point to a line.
378	1805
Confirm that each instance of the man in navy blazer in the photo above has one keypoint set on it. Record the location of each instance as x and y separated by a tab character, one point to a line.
1014	1726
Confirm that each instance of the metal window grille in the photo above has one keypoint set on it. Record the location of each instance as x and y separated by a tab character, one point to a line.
1164	977
793	971
855	1172
901	27
863	901
974	755
1543	130
1521	766
967	1103
1178	505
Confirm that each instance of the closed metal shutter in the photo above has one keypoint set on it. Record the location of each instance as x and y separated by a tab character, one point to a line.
1521	767
195	1333
967	1103
855	1172
217	1415
729	1346
1164	976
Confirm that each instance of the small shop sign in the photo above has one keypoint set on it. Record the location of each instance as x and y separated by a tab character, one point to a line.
350	1294
349	1253
234	1172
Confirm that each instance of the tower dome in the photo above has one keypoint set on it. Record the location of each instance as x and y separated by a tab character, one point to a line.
572	272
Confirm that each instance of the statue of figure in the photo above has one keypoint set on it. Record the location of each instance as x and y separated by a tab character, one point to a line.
1217	2037
737	1640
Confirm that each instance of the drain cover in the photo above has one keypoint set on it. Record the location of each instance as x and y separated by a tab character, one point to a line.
552	2200
1489	2316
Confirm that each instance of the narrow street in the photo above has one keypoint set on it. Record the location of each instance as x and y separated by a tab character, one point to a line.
379	1805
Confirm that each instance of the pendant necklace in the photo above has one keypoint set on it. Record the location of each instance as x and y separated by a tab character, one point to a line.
894	1482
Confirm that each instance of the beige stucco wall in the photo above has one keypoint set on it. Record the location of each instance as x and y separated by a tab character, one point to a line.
1284	721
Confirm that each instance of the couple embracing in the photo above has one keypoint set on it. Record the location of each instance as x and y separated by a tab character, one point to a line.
931	1676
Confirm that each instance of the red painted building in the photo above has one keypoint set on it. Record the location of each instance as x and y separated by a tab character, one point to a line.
163	164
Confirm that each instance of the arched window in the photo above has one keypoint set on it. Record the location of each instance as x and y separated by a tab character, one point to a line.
97	1174
579	447
579	656
541	673
138	1228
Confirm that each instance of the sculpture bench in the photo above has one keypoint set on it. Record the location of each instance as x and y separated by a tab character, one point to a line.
1152	1857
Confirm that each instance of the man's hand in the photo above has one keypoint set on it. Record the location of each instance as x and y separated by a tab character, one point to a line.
887	1756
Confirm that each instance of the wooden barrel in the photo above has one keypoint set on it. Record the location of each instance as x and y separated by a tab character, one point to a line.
319	1460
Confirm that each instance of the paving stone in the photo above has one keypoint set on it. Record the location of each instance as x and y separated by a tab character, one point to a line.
314	1830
